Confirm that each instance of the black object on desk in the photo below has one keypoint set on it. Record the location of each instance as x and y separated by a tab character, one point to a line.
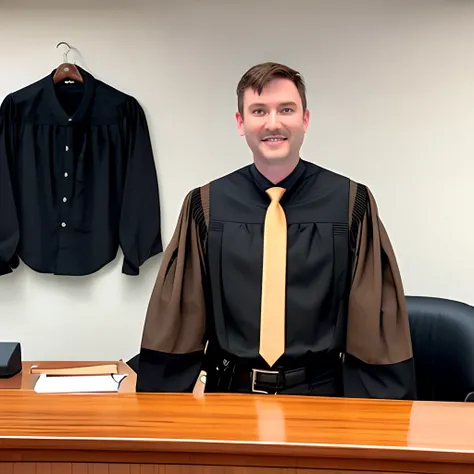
10	359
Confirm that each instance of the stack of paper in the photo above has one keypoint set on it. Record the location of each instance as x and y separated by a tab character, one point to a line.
78	383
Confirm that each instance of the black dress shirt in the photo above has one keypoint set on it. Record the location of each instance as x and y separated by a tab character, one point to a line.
77	179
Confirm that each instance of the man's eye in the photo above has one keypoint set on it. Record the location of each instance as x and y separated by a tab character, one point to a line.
287	110
258	111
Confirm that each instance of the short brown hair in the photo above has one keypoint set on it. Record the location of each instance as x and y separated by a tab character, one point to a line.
257	77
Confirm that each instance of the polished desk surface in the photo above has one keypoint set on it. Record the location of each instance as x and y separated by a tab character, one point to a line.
304	428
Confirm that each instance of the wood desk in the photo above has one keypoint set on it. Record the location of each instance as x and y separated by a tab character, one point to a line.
128	433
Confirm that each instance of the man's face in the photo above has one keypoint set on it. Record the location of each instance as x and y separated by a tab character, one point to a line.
273	123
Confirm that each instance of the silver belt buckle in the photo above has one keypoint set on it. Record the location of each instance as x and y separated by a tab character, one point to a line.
254	379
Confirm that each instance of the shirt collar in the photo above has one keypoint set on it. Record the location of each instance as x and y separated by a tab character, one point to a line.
289	183
60	114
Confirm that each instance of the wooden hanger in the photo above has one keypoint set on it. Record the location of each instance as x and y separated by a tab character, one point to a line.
67	70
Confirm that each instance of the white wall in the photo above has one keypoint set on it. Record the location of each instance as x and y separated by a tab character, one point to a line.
390	88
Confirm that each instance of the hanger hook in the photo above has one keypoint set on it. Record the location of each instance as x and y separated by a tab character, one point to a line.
67	52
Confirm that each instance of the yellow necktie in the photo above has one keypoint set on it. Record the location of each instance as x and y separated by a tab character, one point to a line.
272	318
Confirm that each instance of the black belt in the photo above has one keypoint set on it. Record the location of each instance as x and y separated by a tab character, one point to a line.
269	381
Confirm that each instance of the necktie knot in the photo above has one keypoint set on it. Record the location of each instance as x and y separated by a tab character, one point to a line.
275	193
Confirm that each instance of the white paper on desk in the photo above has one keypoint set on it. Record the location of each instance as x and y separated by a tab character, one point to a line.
78	383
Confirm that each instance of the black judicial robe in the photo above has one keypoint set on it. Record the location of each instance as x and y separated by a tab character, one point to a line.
344	291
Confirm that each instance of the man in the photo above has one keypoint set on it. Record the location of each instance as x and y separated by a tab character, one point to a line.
280	277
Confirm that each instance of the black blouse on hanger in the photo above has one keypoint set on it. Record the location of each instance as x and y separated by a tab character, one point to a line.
77	179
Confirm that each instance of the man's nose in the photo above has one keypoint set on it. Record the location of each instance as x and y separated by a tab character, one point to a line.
272	122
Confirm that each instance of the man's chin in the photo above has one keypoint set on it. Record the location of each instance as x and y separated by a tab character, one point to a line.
275	158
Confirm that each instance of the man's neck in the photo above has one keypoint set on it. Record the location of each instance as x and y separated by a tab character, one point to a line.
276	172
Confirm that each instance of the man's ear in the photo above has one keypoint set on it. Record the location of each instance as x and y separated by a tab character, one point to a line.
240	123
306	119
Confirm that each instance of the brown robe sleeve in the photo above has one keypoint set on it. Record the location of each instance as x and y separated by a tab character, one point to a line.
379	360
174	330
